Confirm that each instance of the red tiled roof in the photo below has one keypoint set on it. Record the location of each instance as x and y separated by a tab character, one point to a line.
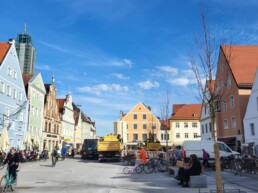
243	61
4	47
26	78
176	107
60	104
165	124
76	111
187	112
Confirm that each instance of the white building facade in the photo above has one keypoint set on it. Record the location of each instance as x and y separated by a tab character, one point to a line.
13	101
251	116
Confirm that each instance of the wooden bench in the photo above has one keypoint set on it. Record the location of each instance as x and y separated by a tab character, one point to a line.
198	181
171	171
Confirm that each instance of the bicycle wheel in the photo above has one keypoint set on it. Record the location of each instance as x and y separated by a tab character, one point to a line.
148	168
138	169
126	170
162	167
14	184
233	168
3	184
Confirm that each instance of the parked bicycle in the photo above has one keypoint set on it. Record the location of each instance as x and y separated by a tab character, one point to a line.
7	183
132	169
155	164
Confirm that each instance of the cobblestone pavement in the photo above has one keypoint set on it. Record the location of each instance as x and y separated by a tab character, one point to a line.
76	175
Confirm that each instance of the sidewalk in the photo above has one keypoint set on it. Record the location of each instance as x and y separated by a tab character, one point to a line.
231	183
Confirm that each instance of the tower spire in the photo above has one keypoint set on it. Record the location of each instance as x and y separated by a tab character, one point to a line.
25	28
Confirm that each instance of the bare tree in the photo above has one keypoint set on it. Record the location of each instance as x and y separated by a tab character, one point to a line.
165	115
204	65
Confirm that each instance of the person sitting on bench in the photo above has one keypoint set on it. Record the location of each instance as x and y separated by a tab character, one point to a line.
193	169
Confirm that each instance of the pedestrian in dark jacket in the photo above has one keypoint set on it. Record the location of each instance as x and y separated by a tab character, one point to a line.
13	161
193	169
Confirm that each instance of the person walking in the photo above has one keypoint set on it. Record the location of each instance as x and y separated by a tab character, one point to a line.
13	162
54	156
63	152
142	155
205	158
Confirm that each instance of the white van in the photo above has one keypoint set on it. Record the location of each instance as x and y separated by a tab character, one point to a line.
195	147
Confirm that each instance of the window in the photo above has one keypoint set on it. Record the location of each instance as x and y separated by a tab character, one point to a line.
135	126
153	126
225	124
210	126
206	128
185	125
144	116
233	122
144	126
194	125
222	86
177	135
9	90
224	105
229	82
205	110
232	101
186	135
20	96
177	125
9	71
2	86
135	137
195	135
202	129
217	106
45	126
144	137
167	136
134	116
162	136
252	131
14	93
14	75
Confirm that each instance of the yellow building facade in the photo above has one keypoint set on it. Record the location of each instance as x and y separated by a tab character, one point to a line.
138	124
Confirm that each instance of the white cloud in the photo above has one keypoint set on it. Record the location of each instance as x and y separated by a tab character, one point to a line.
146	85
127	62
92	100
120	76
189	73
181	81
115	62
43	67
53	46
97	89
168	69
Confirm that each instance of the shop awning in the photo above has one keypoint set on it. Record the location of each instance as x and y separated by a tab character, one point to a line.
68	140
228	140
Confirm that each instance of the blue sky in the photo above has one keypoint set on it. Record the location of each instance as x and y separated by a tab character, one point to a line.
112	54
